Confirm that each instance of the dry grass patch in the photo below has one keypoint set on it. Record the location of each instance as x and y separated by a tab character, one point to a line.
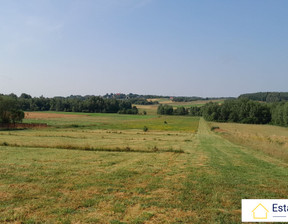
167	216
272	140
150	109
203	185
126	140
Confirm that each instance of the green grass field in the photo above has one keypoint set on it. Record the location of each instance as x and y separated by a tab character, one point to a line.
152	109
197	103
103	168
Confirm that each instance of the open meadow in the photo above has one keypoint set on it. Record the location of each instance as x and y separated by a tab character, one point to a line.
152	109
143	111
107	168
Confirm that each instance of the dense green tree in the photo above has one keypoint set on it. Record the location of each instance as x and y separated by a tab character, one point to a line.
211	112
195	111
241	110
25	96
280	114
17	116
9	110
180	111
165	109
266	96
285	114
89	104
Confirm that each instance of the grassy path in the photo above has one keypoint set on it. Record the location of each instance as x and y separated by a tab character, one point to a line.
230	173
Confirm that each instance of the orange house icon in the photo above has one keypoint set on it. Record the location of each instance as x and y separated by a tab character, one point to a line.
260	212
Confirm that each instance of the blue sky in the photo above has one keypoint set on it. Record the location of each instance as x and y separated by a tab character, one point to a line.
164	47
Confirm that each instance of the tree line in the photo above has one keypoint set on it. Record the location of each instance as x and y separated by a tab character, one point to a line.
169	110
12	106
122	96
87	104
195	98
241	110
247	111
268	97
91	104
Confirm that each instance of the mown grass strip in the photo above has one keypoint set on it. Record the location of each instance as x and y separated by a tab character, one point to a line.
99	149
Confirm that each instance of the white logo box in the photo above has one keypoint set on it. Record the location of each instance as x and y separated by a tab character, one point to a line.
264	210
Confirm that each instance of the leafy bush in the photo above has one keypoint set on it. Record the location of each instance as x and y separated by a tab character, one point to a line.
145	128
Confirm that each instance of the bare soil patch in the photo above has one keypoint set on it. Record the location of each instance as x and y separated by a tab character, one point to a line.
219	130
37	115
22	125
